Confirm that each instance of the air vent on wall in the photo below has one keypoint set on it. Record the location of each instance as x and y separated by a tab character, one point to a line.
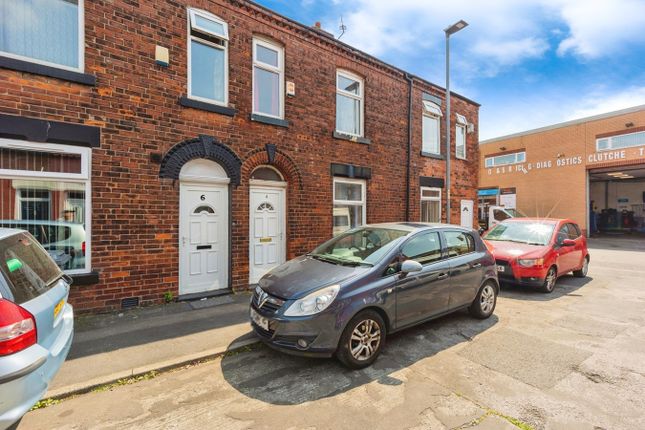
130	302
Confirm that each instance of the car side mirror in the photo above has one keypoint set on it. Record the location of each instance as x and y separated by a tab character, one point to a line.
568	242
481	230
409	266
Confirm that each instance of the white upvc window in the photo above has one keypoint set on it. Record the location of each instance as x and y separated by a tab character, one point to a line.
45	189
430	128
460	136
207	57
430	204
349	103
506	159
349	204
268	79
51	33
620	141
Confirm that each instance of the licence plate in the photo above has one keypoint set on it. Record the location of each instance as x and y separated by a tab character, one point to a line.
500	268
259	320
58	307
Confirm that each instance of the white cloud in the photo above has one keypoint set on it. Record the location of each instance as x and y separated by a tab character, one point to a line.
502	33
598	102
540	110
600	27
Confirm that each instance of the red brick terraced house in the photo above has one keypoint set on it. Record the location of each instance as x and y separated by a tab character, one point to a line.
189	146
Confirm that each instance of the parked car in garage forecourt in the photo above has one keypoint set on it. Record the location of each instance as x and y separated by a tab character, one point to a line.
345	296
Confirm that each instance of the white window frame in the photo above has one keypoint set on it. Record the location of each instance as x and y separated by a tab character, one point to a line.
463	124
362	203
81	47
360	97
432	199
520	157
433	111
224	47
20	199
610	141
268	67
83	178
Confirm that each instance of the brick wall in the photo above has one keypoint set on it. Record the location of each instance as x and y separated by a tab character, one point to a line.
135	103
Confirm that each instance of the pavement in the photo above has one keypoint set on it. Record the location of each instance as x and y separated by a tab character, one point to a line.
109	347
573	359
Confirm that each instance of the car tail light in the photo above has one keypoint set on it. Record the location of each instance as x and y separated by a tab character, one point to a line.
83	247
17	328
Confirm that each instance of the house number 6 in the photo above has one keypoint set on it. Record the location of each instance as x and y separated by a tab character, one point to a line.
203	197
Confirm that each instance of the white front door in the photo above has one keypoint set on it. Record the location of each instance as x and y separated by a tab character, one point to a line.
203	237
467	213
267	242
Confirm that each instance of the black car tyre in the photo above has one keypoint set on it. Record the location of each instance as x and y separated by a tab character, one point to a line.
550	280
484	304
583	270
362	340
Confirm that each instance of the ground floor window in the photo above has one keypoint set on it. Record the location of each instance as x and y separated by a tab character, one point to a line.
45	189
349	204
430	204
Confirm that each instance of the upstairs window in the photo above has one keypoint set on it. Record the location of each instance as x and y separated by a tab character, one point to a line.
207	57
505	160
621	141
430	128
349	104
268	79
460	137
45	32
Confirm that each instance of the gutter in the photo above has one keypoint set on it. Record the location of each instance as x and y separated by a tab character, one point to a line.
410	80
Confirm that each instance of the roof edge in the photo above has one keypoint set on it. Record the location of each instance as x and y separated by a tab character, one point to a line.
324	35
565	124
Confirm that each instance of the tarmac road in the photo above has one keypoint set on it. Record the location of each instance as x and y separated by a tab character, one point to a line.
574	359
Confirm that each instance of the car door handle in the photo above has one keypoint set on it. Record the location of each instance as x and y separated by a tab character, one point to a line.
442	276
476	266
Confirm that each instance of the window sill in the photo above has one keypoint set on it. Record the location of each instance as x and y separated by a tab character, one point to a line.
351	138
461	158
431	155
52	72
269	120
90	278
209	107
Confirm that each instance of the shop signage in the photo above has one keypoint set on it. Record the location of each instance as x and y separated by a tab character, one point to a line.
596	157
508	197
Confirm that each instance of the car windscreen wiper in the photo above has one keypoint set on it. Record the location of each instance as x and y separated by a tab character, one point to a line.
324	258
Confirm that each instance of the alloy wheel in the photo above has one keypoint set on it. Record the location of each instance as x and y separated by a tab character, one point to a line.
487	299
550	280
365	339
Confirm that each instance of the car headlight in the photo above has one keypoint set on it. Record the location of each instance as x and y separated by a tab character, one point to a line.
530	262
314	303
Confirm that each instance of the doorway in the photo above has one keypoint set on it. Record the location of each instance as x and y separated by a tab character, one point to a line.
267	222
203	227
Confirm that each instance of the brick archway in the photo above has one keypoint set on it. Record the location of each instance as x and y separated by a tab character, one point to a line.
295	205
202	147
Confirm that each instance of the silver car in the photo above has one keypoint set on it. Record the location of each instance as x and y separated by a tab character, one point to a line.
36	323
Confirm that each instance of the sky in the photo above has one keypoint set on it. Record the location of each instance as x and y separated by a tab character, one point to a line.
529	63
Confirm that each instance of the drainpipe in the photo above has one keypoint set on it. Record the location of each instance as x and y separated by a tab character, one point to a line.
409	152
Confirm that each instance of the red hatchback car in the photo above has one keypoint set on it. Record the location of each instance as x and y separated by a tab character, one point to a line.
536	251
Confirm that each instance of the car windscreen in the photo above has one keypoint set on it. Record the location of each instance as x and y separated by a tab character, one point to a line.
360	246
537	233
27	267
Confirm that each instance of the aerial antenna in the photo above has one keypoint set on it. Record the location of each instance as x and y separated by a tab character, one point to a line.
342	28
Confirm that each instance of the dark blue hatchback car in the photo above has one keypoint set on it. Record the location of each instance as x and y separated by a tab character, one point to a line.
346	295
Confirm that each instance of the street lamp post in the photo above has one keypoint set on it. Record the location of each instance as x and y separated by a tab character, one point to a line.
460	25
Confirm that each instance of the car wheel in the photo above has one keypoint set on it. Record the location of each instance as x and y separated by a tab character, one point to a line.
550	280
484	304
583	270
362	340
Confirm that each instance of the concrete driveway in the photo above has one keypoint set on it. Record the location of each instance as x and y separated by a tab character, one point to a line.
574	359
